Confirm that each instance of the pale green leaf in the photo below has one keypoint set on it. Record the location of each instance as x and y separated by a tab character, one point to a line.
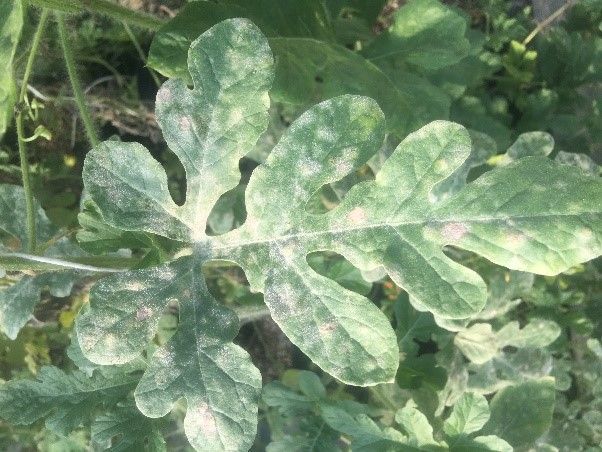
493	443
482	148
582	161
537	333
469	415
13	226
510	217
95	236
311	386
11	22
489	443
530	144
505	288
392	223
520	414
416	425
275	394
478	342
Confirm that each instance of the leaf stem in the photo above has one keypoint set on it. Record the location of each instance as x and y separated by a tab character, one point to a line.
547	21
106	7
29	201
75	83
30	262
248	314
141	54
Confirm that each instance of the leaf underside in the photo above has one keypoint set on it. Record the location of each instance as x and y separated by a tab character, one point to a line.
531	215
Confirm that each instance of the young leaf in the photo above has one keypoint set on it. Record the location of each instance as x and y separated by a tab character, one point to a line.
478	343
488	443
11	22
537	333
507	215
416	426
469	415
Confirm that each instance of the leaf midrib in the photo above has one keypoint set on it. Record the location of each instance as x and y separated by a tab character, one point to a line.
223	242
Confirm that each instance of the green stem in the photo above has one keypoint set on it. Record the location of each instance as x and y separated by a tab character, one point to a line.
105	7
29	202
141	54
248	314
547	21
78	93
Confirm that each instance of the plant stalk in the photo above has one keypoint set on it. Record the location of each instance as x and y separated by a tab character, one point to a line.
547	21
29	201
76	87
106	7
141	54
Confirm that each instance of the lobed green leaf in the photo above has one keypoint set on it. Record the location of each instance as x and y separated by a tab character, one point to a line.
394	222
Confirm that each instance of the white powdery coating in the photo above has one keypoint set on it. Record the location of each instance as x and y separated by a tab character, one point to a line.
357	216
327	329
134	286
185	123
164	95
585	235
514	241
309	167
200	418
326	134
454	231
143	313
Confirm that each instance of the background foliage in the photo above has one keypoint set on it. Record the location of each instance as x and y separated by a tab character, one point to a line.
522	373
